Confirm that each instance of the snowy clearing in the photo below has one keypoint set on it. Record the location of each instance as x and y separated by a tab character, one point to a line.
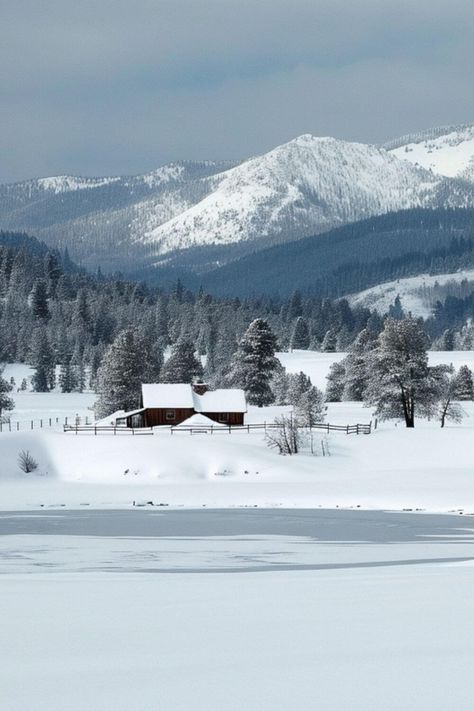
410	291
393	468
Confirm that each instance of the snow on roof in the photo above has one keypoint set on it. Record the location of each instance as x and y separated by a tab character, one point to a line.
180	395
199	420
231	400
175	395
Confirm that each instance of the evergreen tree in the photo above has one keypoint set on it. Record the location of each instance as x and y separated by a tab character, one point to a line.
254	363
335	382
39	301
42	359
400	382
67	377
121	374
182	366
356	365
447	340
395	310
310	408
329	343
300	337
463	384
6	402
298	383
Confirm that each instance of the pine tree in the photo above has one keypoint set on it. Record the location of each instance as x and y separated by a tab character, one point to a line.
67	377
310	408
400	383
335	382
121	374
329	343
39	301
42	359
298	383
356	365
463	384
254	363
395	310
300	337
182	366
447	340
6	402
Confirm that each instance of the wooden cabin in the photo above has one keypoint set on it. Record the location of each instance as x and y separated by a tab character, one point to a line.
173	403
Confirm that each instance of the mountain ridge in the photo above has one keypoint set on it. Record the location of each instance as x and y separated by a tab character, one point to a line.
218	210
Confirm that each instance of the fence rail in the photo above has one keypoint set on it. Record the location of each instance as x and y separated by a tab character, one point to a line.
41	423
112	429
359	428
121	429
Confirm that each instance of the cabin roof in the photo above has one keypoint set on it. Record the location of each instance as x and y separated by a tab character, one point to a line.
182	396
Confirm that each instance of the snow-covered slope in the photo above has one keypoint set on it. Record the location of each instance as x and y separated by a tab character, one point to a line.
417	294
446	151
302	187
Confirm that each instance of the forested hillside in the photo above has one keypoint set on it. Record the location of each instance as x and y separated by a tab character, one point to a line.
52	312
355	257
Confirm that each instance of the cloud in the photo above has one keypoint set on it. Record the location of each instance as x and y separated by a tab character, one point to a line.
114	86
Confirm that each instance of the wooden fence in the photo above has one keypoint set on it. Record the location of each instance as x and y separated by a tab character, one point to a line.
121	429
40	423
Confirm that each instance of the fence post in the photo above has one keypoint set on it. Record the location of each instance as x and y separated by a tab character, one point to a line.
115	428
328	427
17	426
95	429
41	424
50	421
31	424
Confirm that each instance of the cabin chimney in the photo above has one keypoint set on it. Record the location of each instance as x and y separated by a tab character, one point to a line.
199	387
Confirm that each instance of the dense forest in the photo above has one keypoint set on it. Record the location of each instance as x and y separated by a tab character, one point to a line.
52	312
355	257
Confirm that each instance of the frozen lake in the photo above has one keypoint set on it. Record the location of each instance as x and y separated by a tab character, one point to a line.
160	540
262	609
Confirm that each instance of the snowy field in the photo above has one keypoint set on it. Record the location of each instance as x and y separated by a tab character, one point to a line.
230	610
246	588
393	468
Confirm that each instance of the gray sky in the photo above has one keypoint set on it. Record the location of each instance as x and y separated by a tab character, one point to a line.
99	87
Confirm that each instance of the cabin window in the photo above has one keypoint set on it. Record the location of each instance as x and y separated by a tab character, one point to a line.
223	417
169	414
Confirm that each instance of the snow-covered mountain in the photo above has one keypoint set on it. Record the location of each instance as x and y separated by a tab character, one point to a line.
301	188
446	151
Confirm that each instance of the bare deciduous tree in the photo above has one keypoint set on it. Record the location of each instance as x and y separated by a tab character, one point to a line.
287	437
26	462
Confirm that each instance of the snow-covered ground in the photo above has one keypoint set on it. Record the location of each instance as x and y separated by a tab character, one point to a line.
249	590
410	291
255	610
447	152
393	468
